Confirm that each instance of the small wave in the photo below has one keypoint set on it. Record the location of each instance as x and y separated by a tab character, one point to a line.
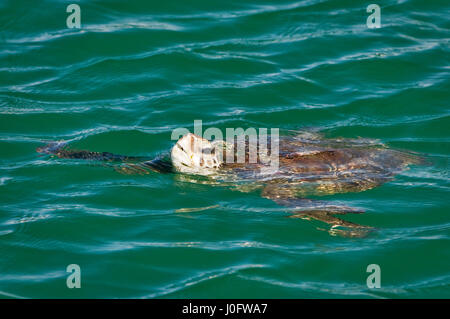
202	277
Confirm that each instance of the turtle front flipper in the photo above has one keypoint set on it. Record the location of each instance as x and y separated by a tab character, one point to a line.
123	164
318	210
158	165
131	169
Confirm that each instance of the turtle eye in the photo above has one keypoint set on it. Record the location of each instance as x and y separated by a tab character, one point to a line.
181	148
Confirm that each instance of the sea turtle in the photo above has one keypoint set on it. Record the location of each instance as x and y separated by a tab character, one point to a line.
308	165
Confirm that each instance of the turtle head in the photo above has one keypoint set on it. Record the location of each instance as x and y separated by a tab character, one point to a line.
194	154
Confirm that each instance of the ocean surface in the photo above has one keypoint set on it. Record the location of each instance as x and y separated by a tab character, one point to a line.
137	70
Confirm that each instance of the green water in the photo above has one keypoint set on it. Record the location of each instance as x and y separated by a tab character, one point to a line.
136	70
